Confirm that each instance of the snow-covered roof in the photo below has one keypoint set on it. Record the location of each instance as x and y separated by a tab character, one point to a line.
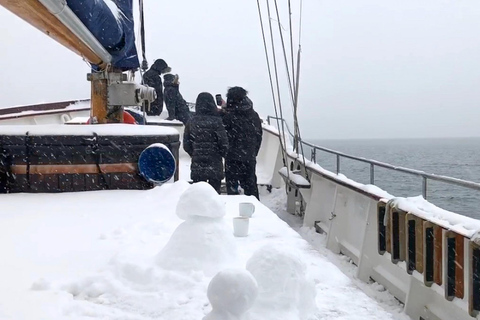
100	129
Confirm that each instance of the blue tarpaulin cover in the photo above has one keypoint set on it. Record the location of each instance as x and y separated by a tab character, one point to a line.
116	35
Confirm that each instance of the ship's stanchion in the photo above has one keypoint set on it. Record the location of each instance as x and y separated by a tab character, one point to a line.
454	260
474	292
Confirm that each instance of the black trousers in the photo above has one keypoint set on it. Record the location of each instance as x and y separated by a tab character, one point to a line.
242	172
215	183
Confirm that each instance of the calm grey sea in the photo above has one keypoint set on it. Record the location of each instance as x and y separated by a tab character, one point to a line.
455	157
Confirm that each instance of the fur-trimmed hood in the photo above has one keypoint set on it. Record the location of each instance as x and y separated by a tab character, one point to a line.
170	80
161	66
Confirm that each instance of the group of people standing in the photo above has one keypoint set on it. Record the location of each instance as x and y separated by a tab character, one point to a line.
233	133
229	131
168	91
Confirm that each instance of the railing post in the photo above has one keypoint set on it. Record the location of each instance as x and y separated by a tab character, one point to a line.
314	155
338	164
268	120
372	173
424	188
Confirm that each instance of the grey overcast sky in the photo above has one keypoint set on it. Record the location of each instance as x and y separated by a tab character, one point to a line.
370	68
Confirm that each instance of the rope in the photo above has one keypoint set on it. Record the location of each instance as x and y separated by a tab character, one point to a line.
284	52
297	82
271	81
142	36
294	96
291	42
277	82
96	154
27	158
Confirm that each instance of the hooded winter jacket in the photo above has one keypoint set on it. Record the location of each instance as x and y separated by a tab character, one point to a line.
152	78
177	106
244	130
205	140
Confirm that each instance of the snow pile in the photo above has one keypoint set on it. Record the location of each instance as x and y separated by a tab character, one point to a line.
282	282
203	242
93	255
231	293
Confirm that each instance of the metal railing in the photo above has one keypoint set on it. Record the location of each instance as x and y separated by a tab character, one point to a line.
373	163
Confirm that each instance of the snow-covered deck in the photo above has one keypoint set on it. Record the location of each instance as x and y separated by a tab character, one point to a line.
91	255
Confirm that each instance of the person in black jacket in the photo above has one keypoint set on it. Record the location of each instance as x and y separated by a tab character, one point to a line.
244	131
152	78
205	140
177	106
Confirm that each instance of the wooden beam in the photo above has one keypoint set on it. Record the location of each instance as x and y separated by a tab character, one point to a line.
48	169
33	12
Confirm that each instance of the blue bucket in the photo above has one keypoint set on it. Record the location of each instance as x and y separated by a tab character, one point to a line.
157	164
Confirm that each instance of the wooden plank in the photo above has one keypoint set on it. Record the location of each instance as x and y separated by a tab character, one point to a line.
459	266
33	12
437	255
419	245
47	169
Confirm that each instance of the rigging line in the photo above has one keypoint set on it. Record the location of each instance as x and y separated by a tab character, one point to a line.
142	35
271	80
291	42
298	80
296	115
300	23
276	79
284	52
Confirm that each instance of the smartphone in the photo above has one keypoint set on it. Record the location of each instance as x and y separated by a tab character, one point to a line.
219	99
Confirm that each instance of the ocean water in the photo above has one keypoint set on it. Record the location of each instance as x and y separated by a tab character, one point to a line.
454	157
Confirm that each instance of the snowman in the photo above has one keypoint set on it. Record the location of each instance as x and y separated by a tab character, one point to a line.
203	242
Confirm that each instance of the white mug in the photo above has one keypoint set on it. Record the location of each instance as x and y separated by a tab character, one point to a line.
240	226
246	209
